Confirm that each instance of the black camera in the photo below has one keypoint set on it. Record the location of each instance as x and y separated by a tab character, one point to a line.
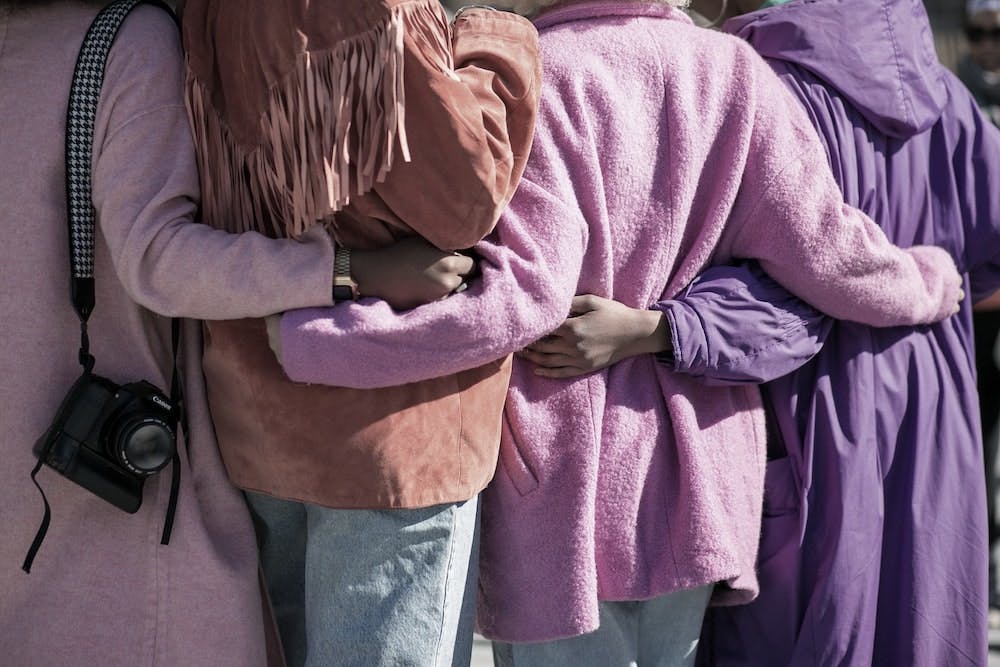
109	438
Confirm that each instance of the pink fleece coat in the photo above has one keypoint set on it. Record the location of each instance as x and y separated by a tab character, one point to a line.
661	148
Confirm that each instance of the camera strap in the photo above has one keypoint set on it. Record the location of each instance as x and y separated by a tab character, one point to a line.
176	400
84	96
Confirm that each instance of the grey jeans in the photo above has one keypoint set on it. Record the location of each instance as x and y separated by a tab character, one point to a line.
368	588
662	632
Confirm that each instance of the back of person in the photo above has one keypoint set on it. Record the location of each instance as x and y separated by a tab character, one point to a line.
375	121
103	590
622	502
654	139
878	472
648	182
382	122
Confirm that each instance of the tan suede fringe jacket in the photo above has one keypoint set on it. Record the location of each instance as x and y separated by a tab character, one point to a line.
380	120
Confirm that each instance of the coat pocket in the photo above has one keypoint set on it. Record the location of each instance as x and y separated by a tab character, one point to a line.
513	462
779	538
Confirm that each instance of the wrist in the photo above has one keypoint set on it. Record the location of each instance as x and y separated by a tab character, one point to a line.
345	288
651	333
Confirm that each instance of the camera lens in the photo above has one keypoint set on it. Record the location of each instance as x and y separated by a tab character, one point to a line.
144	446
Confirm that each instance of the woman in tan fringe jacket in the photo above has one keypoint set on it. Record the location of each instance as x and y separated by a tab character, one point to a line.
103	590
380	121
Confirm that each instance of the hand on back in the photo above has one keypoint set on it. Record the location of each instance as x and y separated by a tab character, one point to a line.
410	273
598	333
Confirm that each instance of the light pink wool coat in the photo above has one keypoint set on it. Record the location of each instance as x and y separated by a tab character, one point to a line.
103	591
661	148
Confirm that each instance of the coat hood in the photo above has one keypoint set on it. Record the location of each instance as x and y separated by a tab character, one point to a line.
878	54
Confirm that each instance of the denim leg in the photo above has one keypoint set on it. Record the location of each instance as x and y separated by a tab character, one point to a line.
281	539
662	632
390	588
669	627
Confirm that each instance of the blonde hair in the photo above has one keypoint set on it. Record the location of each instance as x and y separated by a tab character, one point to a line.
532	7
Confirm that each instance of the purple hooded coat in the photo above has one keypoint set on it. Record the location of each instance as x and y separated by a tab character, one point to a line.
874	546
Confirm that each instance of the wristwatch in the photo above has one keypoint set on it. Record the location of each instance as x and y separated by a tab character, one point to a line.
344	287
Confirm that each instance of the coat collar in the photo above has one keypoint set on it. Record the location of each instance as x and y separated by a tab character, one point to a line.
568	12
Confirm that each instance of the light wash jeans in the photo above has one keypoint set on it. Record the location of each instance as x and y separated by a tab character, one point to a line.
370	588
662	632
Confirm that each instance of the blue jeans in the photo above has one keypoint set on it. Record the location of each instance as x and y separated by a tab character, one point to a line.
370	587
662	632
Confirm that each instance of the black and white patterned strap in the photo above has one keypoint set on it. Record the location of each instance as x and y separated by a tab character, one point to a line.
85	93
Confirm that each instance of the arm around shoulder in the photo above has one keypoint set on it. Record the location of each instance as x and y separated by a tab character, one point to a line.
791	217
145	190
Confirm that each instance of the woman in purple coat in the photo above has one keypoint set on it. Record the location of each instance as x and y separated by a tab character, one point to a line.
874	539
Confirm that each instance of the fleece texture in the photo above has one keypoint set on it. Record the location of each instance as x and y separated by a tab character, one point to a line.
661	148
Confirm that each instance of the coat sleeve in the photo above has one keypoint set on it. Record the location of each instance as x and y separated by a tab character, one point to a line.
977	158
530	267
469	125
790	216
736	325
145	191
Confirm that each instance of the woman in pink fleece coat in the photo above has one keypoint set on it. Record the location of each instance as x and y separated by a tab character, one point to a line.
660	149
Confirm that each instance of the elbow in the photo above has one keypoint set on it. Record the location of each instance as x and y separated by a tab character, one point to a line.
470	224
142	287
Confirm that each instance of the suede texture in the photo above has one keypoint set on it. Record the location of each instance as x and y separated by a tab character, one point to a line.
469	92
406	446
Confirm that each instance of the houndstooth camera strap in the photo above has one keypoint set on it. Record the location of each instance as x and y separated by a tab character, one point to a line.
84	96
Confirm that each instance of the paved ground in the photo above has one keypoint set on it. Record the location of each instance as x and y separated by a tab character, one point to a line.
483	657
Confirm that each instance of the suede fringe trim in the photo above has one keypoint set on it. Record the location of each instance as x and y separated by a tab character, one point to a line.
331	130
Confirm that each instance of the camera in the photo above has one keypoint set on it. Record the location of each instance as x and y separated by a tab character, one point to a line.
109	438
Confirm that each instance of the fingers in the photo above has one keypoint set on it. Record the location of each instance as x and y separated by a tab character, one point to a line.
273	324
553	344
463	265
545	360
553	365
584	303
561	372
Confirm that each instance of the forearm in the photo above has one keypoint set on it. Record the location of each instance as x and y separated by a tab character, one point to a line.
736	325
145	184
989	303
649	333
790	215
856	274
836	258
529	272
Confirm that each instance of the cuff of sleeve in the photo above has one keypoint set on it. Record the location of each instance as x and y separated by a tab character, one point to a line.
294	355
684	329
936	265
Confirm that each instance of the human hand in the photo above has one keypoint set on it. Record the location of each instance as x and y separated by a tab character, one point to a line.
410	272
989	303
599	332
273	323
